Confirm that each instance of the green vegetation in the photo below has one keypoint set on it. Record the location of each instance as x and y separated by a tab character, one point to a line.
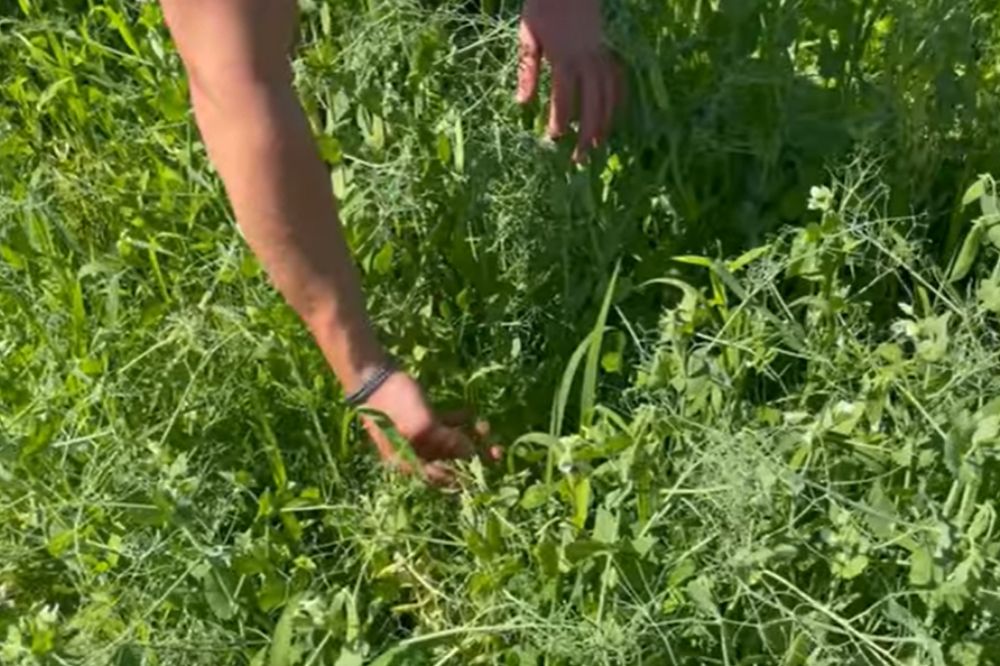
746	362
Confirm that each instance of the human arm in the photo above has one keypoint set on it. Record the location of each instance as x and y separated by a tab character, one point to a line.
257	136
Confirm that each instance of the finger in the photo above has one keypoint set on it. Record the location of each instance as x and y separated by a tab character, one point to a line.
528	65
591	112
464	419
609	93
441	442
563	99
618	83
439	474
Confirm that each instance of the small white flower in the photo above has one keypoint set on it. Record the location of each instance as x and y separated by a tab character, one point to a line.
820	198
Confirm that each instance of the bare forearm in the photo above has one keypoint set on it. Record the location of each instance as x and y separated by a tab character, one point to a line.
260	142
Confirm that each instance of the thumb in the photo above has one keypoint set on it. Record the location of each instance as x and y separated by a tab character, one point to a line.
529	62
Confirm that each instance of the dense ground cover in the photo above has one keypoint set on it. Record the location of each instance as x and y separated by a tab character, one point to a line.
745	362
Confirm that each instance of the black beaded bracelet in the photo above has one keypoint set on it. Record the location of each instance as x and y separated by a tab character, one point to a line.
372	384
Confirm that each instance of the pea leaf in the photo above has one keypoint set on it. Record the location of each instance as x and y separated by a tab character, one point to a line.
281	640
699	591
975	192
219	586
921	567
349	657
388	658
606	526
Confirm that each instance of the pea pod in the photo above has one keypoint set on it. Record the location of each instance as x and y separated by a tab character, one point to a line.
967	255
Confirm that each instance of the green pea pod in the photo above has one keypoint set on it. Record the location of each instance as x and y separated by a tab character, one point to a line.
399	443
967	255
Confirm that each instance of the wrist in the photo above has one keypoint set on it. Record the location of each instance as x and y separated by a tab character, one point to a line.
372	380
350	347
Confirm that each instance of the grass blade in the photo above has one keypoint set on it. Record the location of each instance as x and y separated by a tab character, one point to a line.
562	394
589	390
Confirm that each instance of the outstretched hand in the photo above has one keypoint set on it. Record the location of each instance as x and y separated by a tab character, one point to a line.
569	35
433	438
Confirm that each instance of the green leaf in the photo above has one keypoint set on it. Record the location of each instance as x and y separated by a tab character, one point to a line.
681	573
13	259
565	386
383	260
993	235
987	431
966	654
493	535
548	442
606	526
975	192
797	653
699	591
349	657
547	554
325	20
51	91
388	658
60	542
656	83
694	260
536	496
982	523
329	148
921	567
990	207
611	360
748	258
727	278
881	513
122	26
642	545
853	568
278	471
989	295
219	587
585	549
128	655
272	593
281	641
443	147
377	137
